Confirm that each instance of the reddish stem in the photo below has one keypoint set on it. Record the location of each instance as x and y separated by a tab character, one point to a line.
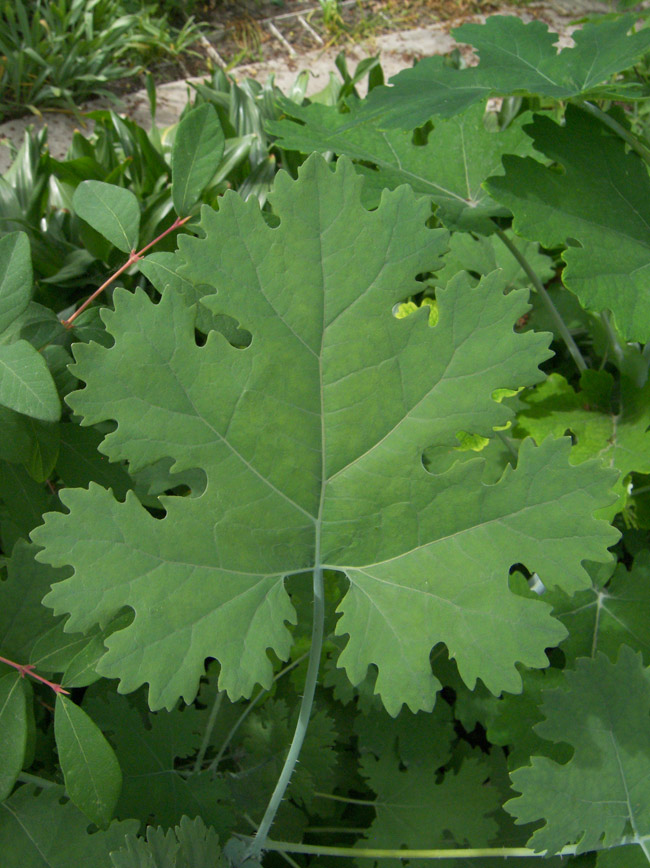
133	258
28	669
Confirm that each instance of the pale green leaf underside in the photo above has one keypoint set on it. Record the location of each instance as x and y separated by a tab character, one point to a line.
514	58
601	793
311	440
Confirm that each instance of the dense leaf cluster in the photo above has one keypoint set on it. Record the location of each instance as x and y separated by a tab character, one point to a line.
355	472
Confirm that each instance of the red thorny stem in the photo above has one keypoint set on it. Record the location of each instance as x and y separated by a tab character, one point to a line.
133	258
28	669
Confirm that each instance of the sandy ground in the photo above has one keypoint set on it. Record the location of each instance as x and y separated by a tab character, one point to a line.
396	50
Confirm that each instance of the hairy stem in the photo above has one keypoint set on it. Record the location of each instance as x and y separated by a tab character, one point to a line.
564	332
617	128
260	840
133	258
251	705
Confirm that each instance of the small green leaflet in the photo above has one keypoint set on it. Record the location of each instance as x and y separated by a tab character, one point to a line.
608	268
92	774
112	211
602	712
26	384
196	154
515	58
311	441
13	729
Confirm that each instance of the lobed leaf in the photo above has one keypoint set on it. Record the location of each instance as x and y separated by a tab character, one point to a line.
311	441
598	203
602	713
515	58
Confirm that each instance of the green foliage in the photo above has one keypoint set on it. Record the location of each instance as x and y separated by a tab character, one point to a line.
63	52
367	433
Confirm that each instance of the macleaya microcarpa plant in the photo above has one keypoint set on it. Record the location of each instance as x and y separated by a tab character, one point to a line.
341	507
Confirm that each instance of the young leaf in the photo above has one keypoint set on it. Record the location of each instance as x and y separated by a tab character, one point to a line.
515	58
311	440
113	211
601	198
196	154
15	277
13	730
190	845
458	156
39	829
603	714
90	769
26	385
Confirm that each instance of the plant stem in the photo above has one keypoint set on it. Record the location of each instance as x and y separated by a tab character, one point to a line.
28	669
547	300
133	258
348	801
617	349
43	783
620	130
214	711
447	853
251	705
260	840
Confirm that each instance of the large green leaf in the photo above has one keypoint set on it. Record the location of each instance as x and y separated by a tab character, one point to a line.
196	154
13	729
311	440
591	800
26	385
90	769
41	830
515	58
458	156
600	198
113	211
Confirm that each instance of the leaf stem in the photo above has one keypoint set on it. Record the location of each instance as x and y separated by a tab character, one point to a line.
134	257
214	711
260	840
565	334
617	128
28	669
251	705
446	853
43	783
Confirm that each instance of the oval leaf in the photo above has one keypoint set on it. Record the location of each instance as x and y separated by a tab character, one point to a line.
13	730
197	151
26	385
15	277
92	774
113	211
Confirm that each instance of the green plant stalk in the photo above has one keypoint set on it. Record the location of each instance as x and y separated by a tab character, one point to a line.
214	711
251	705
546	298
43	783
260	840
617	128
447	853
